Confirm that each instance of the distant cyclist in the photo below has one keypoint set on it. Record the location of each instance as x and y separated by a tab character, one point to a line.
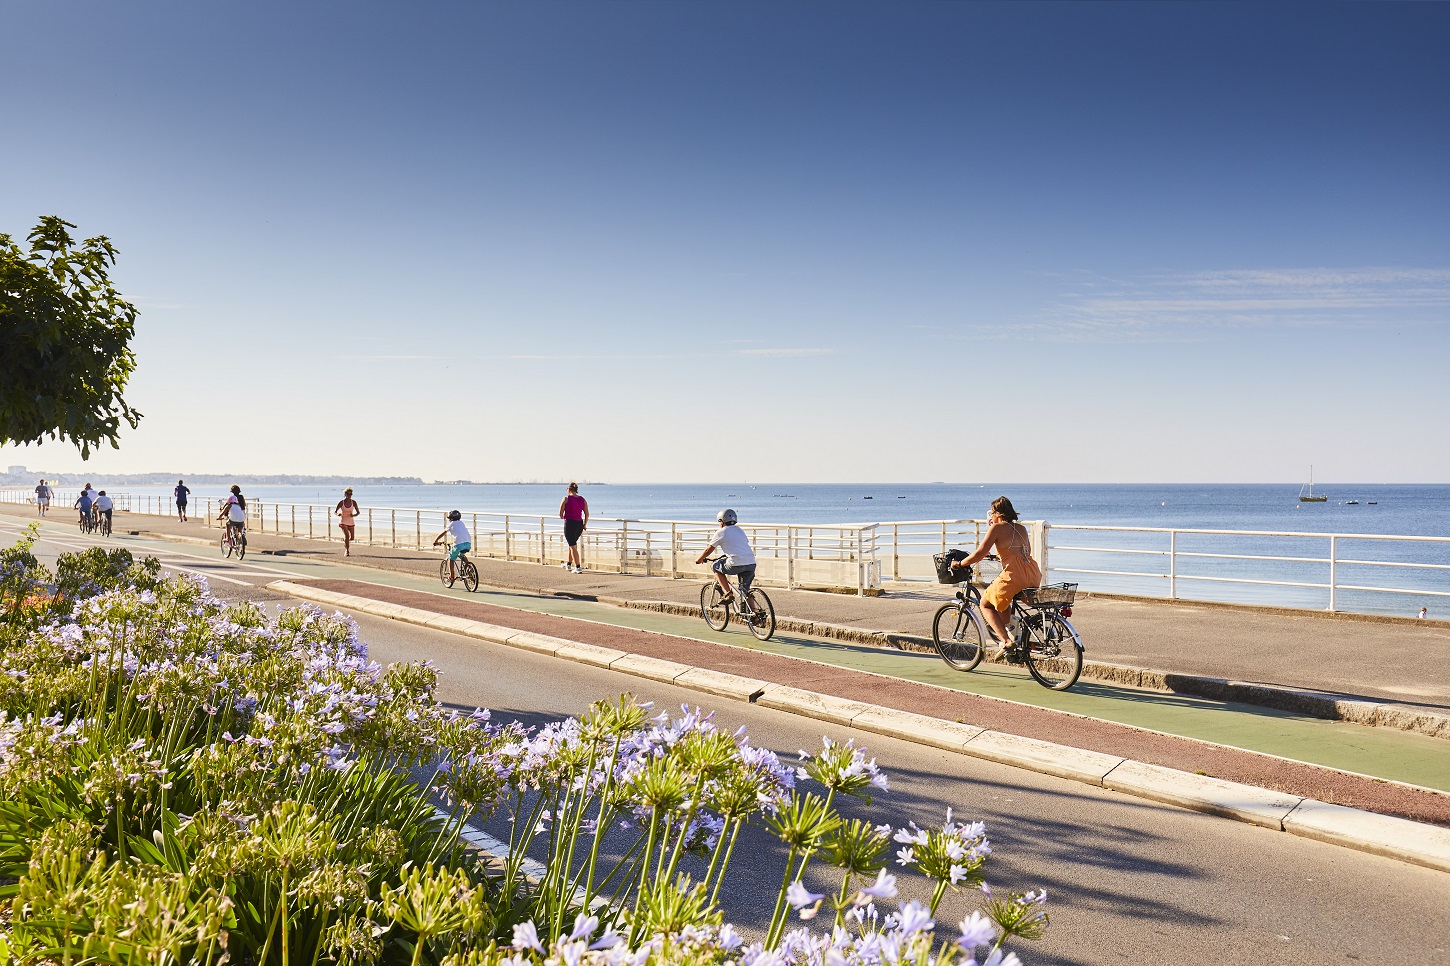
234	512
103	507
84	502
739	559
457	531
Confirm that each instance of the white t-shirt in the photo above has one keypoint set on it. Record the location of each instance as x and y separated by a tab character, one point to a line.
736	545
459	531
236	513
89	494
104	503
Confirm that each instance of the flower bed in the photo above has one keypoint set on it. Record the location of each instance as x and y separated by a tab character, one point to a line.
187	780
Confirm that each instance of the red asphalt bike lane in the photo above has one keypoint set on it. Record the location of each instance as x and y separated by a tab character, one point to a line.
1229	764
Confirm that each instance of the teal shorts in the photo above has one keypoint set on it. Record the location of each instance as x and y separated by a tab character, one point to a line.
458	549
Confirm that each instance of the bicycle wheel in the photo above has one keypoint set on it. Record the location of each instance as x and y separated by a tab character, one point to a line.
1054	653
714	606
227	543
762	617
241	544
443	573
959	636
469	573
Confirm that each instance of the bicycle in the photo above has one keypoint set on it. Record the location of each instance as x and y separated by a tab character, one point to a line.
753	607
1041	636
234	540
87	522
467	572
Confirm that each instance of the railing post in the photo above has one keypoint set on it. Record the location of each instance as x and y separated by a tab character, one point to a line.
418	528
790	558
309	521
674	552
860	564
508	539
1333	571
543	540
896	551
329	525
1173	565
647	571
370	526
624	546
393	514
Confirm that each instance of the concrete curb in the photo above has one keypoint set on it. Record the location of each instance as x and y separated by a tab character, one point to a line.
1412	842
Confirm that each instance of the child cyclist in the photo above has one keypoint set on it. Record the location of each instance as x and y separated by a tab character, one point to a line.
739	558
462	541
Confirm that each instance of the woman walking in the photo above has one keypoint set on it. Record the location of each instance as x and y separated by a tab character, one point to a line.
574	511
348	509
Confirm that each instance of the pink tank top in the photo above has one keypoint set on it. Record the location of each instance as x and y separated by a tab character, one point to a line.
573	507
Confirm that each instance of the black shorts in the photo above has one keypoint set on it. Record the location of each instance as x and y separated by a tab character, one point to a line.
573	529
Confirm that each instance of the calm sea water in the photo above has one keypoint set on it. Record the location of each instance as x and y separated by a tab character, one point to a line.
1381	509
1418	510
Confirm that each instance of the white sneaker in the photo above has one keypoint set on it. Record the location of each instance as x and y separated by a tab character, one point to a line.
566	566
578	570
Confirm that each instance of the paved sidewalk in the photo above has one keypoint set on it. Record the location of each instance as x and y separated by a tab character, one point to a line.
1403	661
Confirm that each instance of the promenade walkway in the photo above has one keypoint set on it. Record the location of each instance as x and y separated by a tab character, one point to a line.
1399	660
1286	753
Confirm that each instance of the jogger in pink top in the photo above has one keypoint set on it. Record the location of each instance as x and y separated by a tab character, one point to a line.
574	511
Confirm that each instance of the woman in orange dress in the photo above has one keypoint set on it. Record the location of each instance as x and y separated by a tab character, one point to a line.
1019	571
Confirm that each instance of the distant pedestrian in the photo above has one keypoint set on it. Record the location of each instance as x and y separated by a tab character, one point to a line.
348	509
43	494
182	494
1424	612
574	511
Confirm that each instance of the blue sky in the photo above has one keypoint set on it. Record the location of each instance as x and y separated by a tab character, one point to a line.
799	241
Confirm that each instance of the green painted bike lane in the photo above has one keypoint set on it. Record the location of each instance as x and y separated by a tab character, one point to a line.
1376	752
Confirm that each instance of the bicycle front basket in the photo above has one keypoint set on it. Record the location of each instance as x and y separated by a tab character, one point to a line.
944	572
1055	595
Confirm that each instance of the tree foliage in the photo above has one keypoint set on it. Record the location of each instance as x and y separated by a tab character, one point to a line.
65	335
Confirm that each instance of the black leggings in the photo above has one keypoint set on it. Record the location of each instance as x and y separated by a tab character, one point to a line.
573	530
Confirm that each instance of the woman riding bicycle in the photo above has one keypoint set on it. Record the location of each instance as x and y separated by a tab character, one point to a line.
1019	571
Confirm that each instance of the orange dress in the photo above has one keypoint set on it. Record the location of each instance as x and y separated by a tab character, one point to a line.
1019	571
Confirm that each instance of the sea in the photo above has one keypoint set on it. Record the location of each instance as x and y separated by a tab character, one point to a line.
1137	560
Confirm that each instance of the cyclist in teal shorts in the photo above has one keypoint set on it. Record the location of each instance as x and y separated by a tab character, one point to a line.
462	541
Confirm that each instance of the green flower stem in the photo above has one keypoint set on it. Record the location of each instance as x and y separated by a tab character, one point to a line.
937	893
777	918
654	824
725	863
679	849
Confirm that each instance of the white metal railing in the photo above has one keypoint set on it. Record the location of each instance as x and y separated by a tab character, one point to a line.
1293	561
1155	561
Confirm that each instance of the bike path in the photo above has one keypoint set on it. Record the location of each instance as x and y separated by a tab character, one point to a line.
1383	753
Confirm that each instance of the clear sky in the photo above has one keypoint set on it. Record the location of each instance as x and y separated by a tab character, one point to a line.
677	242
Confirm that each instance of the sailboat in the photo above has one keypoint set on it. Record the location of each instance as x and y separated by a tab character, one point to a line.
1309	497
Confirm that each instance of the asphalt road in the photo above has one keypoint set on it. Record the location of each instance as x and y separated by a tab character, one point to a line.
1128	880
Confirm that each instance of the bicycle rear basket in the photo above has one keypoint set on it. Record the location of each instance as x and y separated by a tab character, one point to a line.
1051	595
944	572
